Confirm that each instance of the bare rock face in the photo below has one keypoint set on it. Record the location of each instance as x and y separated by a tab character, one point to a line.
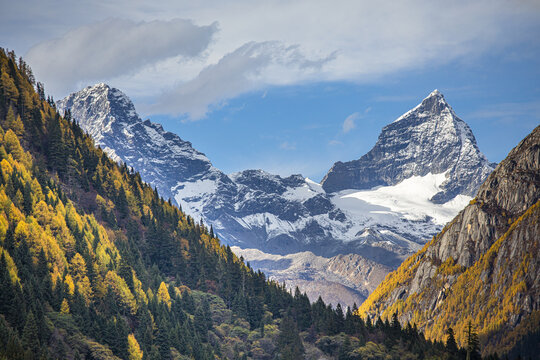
484	266
428	139
345	279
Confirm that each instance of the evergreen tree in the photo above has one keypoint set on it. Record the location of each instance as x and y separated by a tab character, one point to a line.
340	318
162	341
451	344
30	336
473	345
289	344
56	147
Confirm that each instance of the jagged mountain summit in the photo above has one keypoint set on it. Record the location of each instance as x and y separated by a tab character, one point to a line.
429	139
483	267
161	157
253	209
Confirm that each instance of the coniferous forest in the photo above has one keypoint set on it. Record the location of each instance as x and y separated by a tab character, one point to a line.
94	264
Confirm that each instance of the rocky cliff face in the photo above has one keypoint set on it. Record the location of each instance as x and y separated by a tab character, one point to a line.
483	267
428	139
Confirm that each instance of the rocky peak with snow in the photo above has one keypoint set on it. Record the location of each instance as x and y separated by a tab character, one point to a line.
430	138
161	157
101	107
264	181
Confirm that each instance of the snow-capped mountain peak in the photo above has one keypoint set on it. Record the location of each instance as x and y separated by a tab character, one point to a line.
101	107
429	138
109	116
432	104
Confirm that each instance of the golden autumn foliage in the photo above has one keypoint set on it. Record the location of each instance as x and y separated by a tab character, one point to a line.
163	294
10	264
69	284
120	289
134	350
64	308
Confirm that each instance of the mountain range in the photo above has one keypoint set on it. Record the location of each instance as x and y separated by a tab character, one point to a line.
383	217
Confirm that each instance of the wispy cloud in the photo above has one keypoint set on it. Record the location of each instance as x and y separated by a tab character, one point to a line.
112	48
335	142
287	146
359	41
238	72
349	122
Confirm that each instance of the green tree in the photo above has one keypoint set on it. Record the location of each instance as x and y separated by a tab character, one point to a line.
451	344
30	336
473	345
289	344
163	342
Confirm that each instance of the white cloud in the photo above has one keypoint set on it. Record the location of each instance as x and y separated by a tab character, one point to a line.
287	146
334	142
368	40
243	70
112	48
349	124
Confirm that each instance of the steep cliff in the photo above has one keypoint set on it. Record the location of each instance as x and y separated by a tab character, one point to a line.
483	267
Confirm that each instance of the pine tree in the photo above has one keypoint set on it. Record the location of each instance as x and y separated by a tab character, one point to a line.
122	203
349	326
451	344
340	318
473	345
30	336
288	343
56	147
163	342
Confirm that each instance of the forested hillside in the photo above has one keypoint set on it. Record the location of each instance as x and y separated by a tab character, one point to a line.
95	264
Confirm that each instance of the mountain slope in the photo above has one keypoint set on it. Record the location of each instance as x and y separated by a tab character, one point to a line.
345	279
484	265
427	139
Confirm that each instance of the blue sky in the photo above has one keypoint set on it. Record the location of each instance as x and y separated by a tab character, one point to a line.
291	86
